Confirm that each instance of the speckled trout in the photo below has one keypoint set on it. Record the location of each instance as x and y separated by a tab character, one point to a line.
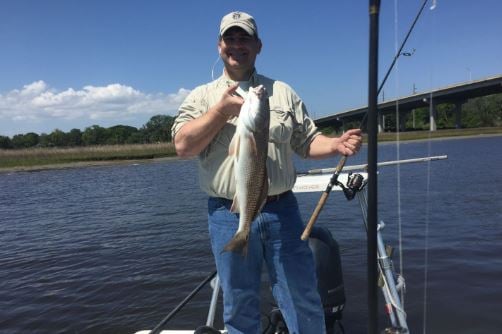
249	148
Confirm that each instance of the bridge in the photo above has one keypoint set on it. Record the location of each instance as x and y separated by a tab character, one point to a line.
456	94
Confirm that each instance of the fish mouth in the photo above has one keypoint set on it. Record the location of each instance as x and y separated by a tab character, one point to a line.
260	91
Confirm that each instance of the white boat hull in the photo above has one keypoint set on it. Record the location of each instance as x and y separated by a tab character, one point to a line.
318	183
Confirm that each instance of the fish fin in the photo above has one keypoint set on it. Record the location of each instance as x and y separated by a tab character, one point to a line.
233	149
239	243
235	205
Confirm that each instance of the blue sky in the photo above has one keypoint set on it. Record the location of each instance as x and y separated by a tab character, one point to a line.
71	64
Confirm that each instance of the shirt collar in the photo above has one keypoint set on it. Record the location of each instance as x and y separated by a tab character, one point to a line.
252	82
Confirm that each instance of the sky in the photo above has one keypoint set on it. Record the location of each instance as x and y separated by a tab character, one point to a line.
68	64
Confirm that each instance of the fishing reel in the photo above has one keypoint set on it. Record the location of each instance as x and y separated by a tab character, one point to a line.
355	183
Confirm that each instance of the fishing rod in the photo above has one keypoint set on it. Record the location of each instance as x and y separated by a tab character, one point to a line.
157	329
372	116
334	179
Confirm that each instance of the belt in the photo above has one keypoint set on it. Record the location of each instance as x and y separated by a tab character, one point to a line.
270	199
275	198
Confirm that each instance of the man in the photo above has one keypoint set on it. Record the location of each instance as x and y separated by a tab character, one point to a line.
204	127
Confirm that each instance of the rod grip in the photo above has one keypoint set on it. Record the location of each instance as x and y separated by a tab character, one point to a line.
315	214
322	200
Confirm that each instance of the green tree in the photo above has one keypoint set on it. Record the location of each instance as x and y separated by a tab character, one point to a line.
421	119
44	140
136	138
25	140
158	129
5	142
445	115
483	111
94	135
57	138
74	138
119	134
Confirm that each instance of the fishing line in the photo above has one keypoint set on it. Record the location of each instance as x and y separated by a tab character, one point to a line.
426	227
428	183
214	65
426	235
392	300
398	150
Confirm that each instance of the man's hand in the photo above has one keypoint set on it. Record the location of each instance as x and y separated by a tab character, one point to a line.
196	134
230	103
348	143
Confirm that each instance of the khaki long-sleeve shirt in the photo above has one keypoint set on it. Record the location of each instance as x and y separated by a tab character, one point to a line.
291	130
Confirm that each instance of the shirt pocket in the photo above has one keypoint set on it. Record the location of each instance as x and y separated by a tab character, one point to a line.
281	125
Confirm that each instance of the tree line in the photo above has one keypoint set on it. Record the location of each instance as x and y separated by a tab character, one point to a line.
483	111
157	129
478	112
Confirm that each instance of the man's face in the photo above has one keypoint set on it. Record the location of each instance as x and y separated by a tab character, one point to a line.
238	50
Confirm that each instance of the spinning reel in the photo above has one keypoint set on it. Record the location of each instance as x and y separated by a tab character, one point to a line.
355	183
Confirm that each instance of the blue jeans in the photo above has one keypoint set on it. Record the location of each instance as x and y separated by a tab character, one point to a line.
275	239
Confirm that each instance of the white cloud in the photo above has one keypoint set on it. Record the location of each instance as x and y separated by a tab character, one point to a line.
38	103
34	88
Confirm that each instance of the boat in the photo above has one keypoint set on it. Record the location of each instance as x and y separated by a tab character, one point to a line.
352	182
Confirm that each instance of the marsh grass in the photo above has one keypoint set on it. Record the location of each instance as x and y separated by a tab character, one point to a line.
53	156
33	158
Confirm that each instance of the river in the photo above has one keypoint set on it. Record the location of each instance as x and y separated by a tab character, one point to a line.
113	249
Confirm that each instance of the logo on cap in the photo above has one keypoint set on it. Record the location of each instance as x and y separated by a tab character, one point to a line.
236	16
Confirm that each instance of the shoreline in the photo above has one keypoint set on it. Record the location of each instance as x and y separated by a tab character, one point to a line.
83	164
479	135
115	162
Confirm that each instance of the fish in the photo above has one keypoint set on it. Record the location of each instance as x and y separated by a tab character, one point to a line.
249	149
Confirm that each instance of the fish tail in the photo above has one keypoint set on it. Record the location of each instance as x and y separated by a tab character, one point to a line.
239	243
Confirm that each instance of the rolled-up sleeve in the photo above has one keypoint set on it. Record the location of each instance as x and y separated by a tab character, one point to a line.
192	107
304	130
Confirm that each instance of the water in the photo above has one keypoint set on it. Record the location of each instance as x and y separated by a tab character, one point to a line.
114	249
